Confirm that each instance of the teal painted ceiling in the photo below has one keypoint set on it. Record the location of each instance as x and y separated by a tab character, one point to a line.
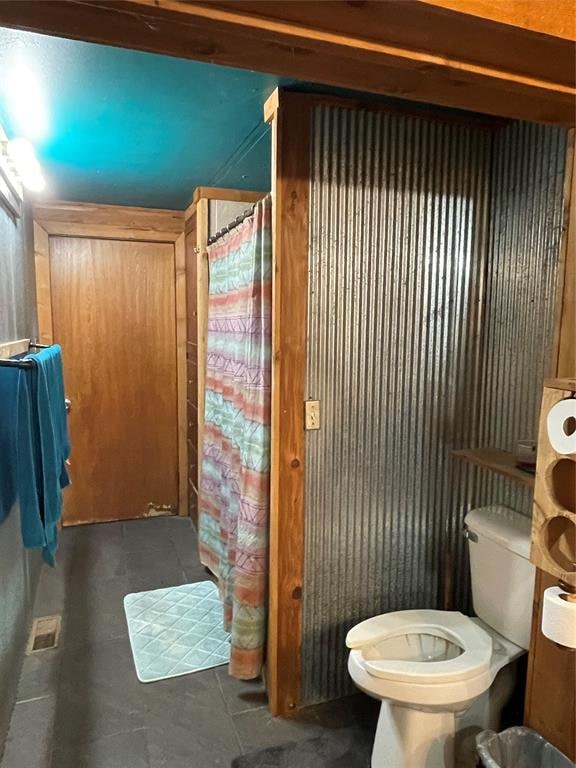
123	127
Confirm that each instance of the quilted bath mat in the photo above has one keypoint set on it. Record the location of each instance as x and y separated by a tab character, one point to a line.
176	631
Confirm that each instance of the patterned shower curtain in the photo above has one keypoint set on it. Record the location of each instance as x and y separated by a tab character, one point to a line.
234	493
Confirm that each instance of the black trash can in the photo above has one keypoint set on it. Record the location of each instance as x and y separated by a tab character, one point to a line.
519	747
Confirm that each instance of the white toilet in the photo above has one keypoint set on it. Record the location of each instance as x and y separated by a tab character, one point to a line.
439	673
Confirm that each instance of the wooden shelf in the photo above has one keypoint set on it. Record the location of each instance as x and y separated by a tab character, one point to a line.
501	462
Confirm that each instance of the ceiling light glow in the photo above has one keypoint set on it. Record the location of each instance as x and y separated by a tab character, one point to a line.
26	105
26	163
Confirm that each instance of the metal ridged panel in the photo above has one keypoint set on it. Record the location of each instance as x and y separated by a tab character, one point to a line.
526	220
526	215
433	267
398	208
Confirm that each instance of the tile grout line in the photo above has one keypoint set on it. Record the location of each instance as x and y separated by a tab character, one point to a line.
236	733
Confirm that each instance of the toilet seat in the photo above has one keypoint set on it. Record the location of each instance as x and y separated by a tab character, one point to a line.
368	641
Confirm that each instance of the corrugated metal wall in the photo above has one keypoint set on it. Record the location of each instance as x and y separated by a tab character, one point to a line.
526	226
526	212
402	263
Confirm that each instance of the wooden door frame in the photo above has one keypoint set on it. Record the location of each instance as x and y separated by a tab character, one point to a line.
115	222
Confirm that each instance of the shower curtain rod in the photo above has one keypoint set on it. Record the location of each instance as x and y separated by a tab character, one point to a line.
238	220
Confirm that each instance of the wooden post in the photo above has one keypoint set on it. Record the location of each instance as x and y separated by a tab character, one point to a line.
290	118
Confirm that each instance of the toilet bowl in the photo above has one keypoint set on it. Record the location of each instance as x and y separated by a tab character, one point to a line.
429	667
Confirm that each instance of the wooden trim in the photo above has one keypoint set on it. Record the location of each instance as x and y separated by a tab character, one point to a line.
181	331
271	106
224	193
43	287
202	315
403	48
110	221
11	348
290	190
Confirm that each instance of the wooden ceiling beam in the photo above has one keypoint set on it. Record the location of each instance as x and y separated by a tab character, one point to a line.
409	49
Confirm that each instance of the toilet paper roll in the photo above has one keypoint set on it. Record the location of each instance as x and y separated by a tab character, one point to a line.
557	415
559	618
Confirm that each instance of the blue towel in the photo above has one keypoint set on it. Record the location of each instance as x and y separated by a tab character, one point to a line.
52	432
34	446
19	455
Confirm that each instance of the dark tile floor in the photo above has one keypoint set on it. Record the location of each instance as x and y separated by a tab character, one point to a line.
81	705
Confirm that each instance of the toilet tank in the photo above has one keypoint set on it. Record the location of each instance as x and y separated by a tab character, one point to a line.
501	573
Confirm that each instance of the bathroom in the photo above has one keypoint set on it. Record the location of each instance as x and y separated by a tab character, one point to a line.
422	295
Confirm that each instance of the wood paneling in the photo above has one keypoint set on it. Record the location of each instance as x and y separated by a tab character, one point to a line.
113	310
290	185
404	48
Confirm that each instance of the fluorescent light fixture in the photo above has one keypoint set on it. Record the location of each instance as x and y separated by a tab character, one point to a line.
26	164
25	101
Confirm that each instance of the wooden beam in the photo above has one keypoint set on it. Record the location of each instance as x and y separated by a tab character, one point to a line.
229	195
110	221
404	48
290	190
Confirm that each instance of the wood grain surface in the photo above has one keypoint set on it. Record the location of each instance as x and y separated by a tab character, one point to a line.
113	307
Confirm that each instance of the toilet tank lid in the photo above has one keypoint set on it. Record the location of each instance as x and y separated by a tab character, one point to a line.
502	525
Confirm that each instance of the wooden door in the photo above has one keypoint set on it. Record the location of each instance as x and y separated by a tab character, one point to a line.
113	312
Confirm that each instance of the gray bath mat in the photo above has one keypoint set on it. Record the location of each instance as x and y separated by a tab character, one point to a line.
320	752
176	631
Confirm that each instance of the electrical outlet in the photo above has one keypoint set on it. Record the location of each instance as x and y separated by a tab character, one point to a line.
312	411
